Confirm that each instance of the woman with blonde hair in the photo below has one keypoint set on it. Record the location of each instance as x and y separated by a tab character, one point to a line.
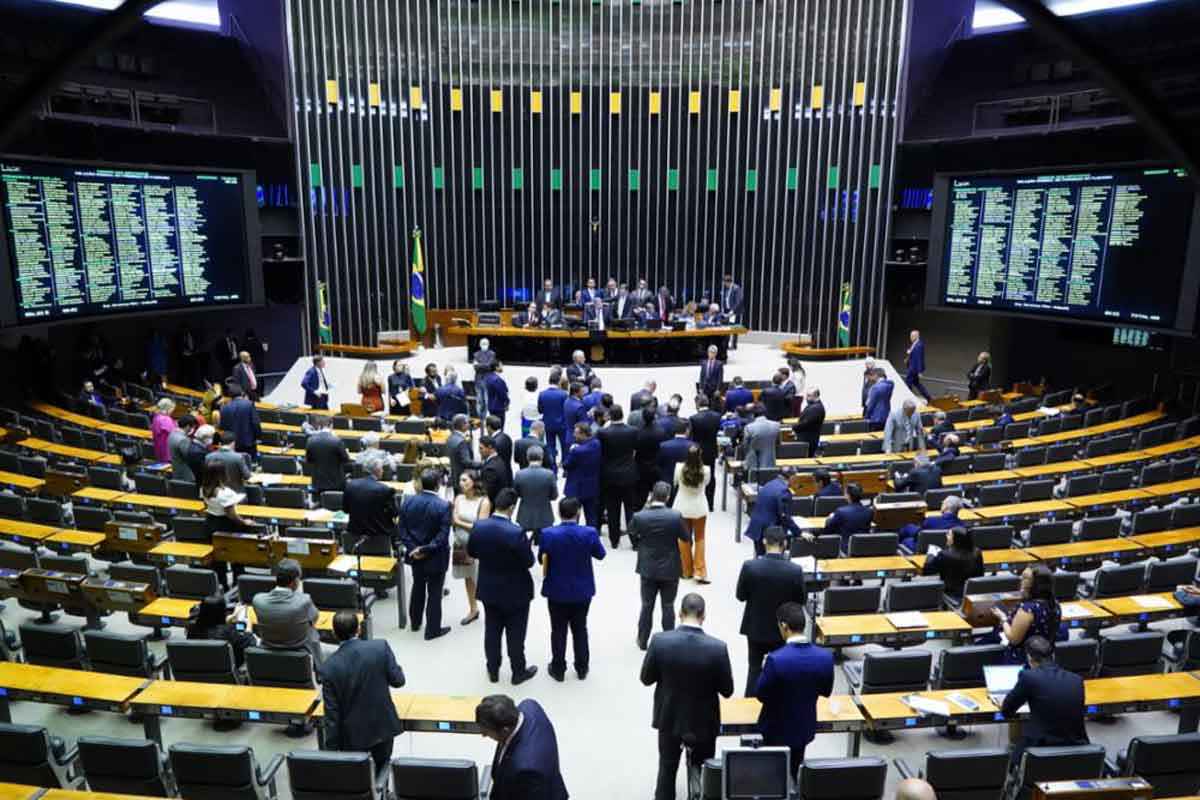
371	388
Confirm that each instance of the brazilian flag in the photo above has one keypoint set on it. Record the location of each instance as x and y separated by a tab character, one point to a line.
416	285
843	333
324	321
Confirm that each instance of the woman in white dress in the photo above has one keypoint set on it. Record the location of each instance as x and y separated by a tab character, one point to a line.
691	477
471	504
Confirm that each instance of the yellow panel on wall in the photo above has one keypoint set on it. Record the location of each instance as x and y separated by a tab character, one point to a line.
415	100
374	97
614	102
497	100
656	102
860	93
331	92
576	102
693	102
735	101
535	102
776	101
817	96
456	100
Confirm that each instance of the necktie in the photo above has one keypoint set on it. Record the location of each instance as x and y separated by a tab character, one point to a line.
324	382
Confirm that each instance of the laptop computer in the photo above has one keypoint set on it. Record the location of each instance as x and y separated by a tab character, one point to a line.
1000	680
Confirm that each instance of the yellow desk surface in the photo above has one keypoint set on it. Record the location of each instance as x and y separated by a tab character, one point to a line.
30	531
158	501
1093	611
1037	507
271	512
892	564
324	619
1141	688
84	421
78	453
21	481
1010	555
188	694
743	711
889	706
1096	430
438	708
188	550
852	437
1107	498
86	540
1173	487
1179	538
16	791
1129	605
82	794
174	608
971	478
382	565
400	700
99	495
1057	468
277	479
1099	548
1172	447
879	625
69	682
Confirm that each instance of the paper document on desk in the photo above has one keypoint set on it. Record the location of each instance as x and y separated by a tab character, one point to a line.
1074	611
1048	411
808	563
1152	601
926	705
907	619
269	478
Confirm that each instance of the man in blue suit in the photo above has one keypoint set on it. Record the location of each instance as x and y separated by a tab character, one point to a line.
948	519
712	373
451	398
496	391
425	532
240	417
738	395
915	359
505	586
851	518
315	385
526	763
792	678
566	551
574	412
594	395
1056	702
879	401
773	506
581	465
551	405
671	452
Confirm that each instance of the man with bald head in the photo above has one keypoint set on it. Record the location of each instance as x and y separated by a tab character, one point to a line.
914	789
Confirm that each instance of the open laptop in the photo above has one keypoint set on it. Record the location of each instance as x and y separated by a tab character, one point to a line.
1000	681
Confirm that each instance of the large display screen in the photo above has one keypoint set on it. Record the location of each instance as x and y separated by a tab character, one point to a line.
1095	244
88	239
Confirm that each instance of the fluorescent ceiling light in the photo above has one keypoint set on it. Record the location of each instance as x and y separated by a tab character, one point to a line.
188	12
990	14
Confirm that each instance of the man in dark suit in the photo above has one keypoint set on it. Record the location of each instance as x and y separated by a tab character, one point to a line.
640	398
618	472
484	361
497	394
1055	698
826	485
316	385
941	426
622	305
425	533
914	359
808	424
326	456
738	395
536	438
642	294
764	584
775	405
548	297
712	373
244	375
537	488
526	763
450	397
671	452
566	551
578	369
669	420
495	471
226	351
551	405
581	466
240	417
879	400
772	506
924	476
704	426
596	314
658	530
493	426
731	305
458	448
371	506
664	304
792	679
505	586
851	518
689	671
356	684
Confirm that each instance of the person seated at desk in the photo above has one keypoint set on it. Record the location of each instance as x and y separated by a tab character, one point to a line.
212	620
369	451
531	317
851	518
947	520
450	398
287	617
90	396
552	317
596	315
956	563
1037	615
941	426
711	318
826	485
949	452
645	317
1005	418
1056	702
924	476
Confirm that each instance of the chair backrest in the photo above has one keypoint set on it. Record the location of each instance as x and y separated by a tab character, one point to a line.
16	557
1071	422
254	494
1093	416
1150	521
442	778
190	529
1050	425
842	778
250	584
873	544
283	465
935	497
927	538
1060	452
1050	532
117	653
993	537
1083	484
1164	576
52	645
998	494
824	506
1186	516
1092	528
1031	456
828	546
977	774
1122	442
899	497
1095	448
25	756
988	462
60	563
897	671
47	512
150	483
1078	656
959	465
1116	480
1167	762
12	506
9	461
1016	430
204	660
190	583
331	500
1131	654
961	667
1065	585
987	584
989	435
801	506
284	496
1031	491
850	600
35	466
333	594
136	573
922	595
214	772
316	775
92	518
289	669
793	450
1184	468
300	532
125	766
1116	581
184	490
106	478
1039	764
833	449
95	440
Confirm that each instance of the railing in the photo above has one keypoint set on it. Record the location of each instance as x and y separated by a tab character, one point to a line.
1047	112
131	107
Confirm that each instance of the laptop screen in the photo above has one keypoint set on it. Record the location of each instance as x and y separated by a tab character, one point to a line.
1001	679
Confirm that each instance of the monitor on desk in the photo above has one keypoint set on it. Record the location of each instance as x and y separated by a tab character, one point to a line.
1000	680
755	774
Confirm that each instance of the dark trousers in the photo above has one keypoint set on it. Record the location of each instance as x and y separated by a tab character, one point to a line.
647	477
509	622
914	382
572	616
758	652
710	489
381	753
874	426
669	747
426	586
650	589
591	512
552	441
615	497
760	549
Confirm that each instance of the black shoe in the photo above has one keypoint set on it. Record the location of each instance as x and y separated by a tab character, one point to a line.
558	675
439	633
519	678
581	673
494	677
381	594
641	644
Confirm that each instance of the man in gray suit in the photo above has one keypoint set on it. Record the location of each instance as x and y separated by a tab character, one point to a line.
537	489
658	531
237	471
287	617
760	437
458	447
903	432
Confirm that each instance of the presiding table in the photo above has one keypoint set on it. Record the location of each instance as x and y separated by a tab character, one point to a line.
555	345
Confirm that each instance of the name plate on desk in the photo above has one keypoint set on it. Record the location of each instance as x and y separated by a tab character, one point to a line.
250	549
117	595
1100	788
310	553
132	537
43	585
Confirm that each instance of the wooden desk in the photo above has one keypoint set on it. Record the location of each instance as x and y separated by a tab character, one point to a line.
889	712
96	495
189	554
993	560
274	514
277	479
164	699
1075	553
165	612
20	481
807	351
1089	501
16	791
1034	509
26	533
870	567
1056	468
1090	615
439	713
75	453
156	502
858	629
518	345
65	687
1174	488
1143	608
1095	430
836	714
1141	693
83	794
73	541
324	623
1166	543
973	478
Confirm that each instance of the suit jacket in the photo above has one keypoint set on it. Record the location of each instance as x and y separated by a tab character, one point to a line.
313	380
529	769
286	621
237	472
705	426
552	406
760	437
504	446
879	401
458	448
328	458
792	678
496	474
356	685
591	400
568	550
848	520
920	480
497	394
573	411
547	299
178	445
537	488
637	400
916	358
688	669
241	418
737	397
671	452
669	424
504	559
521	453
955	568
776	405
649	439
581	465
622	307
808	425
397	384
663	304
483	361
425	523
242	378
711	378
451	400
773	506
764	584
896	437
1056	706
658	531
618	449
579	372
731	300
590	314
371	506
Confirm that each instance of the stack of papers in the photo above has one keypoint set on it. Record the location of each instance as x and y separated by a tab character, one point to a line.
926	705
907	619
1074	611
1152	601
